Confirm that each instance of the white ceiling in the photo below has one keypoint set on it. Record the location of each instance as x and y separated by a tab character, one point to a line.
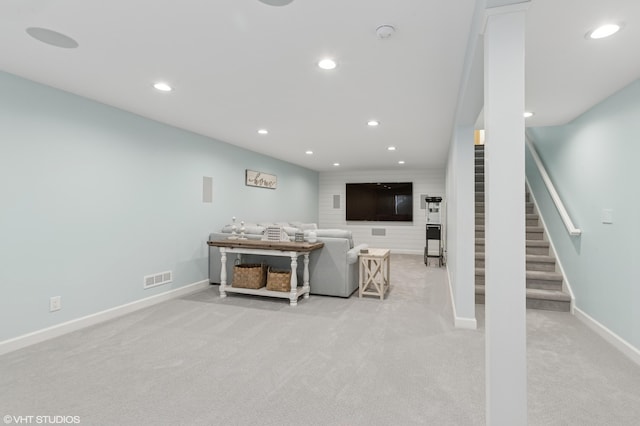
240	65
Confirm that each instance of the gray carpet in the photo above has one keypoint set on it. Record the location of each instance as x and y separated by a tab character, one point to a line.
329	361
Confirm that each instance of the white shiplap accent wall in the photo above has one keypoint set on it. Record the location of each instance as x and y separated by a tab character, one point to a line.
401	237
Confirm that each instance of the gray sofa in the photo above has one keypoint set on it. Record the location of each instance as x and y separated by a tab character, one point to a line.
333	269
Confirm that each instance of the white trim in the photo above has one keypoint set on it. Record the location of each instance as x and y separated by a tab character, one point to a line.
564	215
618	342
459	322
516	6
38	336
466	323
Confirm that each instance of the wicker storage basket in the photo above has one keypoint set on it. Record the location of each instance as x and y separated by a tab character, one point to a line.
249	275
278	280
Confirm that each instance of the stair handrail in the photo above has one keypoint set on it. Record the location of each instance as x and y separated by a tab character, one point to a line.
566	219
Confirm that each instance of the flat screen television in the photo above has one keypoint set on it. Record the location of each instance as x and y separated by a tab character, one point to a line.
380	201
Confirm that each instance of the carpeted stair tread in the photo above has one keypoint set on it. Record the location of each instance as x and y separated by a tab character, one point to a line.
537	243
529	228
534	275
534	293
530	258
532	219
530	216
529	243
480	204
544	275
540	258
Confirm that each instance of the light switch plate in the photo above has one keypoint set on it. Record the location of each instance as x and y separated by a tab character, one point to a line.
607	216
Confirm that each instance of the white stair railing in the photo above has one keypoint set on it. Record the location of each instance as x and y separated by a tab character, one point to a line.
566	219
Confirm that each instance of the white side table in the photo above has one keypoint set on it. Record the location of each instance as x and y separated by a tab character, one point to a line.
375	268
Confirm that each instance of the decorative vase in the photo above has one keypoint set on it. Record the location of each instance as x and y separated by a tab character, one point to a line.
242	236
234	235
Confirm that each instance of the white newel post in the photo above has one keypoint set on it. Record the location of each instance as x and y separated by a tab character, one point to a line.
505	276
294	279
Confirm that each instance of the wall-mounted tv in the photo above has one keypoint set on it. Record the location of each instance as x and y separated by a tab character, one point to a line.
380	201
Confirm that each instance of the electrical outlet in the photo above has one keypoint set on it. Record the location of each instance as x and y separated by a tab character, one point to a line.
55	303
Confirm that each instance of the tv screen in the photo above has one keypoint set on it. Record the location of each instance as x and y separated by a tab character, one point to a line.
380	201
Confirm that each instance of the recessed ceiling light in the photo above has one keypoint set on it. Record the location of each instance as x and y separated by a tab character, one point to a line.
391	148
263	131
604	31
276	2
309	152
401	162
327	64
52	38
373	123
528	114
163	87
336	164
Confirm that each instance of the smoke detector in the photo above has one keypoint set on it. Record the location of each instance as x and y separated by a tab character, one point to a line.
385	31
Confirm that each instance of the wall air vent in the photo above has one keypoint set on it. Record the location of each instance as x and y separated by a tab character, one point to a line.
155	280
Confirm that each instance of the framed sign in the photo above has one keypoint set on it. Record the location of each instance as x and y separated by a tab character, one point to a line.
261	180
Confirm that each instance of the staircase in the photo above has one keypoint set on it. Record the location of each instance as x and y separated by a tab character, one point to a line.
544	284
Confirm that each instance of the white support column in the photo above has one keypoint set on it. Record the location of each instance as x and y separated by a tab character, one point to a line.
505	276
463	215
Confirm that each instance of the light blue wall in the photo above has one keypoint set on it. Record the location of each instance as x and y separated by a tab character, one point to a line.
94	198
594	163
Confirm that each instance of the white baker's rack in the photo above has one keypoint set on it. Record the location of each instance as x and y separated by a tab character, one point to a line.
435	235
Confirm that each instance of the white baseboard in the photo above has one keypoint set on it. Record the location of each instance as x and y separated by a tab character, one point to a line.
466	323
29	339
608	335
460	322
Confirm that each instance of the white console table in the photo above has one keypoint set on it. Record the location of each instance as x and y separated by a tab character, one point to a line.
269	248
